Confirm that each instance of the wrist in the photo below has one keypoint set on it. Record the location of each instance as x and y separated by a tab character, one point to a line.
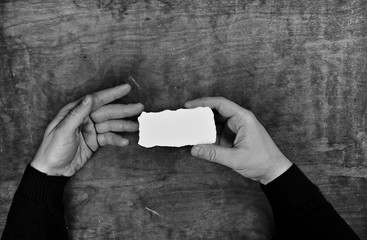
39	166
42	167
279	166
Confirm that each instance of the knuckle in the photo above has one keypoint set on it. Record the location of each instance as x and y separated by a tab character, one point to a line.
109	126
114	139
110	138
125	109
101	139
87	96
99	128
249	116
97	99
122	126
220	98
108	115
74	111
212	154
93	116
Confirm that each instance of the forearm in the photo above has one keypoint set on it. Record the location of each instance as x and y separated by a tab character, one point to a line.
301	211
37	210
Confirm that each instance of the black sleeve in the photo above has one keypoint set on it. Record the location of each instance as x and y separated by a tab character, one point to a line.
37	210
301	211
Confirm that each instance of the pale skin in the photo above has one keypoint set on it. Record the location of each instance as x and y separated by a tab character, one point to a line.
251	152
81	127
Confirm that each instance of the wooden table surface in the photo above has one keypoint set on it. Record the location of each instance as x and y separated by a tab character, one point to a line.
300	66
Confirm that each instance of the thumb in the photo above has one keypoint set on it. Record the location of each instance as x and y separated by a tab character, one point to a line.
77	115
212	153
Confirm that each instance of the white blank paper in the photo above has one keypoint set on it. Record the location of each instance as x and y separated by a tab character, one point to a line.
177	128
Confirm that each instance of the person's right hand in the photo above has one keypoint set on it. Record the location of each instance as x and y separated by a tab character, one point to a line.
252	153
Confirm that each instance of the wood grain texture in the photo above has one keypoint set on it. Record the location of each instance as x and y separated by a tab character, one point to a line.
300	66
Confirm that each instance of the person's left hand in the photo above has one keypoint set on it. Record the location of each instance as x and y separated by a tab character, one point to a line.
81	127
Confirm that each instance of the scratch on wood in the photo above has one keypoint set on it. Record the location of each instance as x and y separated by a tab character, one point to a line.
31	139
234	17
133	80
360	209
150	210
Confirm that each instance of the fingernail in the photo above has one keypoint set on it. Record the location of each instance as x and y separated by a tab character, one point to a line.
196	151
86	100
123	85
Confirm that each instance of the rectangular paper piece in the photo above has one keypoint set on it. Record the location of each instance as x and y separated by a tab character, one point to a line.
177	128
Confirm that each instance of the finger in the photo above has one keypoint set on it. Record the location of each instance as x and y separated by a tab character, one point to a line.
117	126
90	135
225	107
99	99
213	153
219	118
116	111
109	95
78	114
61	115
112	139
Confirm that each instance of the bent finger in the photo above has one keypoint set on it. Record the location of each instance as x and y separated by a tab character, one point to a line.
77	115
116	111
225	107
61	115
112	139
117	126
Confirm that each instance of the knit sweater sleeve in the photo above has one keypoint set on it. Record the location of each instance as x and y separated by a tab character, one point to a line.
301	211
37	210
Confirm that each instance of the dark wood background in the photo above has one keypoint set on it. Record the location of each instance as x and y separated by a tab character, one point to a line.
300	66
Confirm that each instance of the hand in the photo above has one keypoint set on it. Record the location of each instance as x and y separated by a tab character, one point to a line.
81	127
251	152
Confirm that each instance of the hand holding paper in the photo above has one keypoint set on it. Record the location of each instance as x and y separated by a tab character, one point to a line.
252	153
